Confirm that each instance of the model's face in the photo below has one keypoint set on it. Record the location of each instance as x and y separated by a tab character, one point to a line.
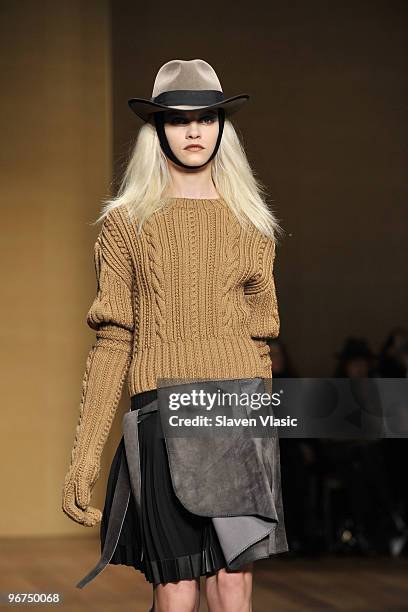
186	129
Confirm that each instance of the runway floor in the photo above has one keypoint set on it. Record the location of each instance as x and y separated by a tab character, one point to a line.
282	584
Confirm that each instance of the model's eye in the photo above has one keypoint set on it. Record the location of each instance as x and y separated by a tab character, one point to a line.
177	120
209	118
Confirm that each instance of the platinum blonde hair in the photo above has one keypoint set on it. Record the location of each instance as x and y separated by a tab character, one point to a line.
147	178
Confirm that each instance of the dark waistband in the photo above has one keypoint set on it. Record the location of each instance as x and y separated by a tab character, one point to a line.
142	399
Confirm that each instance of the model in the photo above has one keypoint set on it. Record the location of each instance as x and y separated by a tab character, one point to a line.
185	294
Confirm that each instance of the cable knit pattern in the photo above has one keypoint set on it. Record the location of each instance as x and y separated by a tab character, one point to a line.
230	272
192	297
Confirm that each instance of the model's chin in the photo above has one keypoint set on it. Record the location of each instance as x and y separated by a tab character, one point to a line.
195	158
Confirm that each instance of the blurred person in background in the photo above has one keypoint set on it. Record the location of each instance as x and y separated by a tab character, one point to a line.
300	467
360	466
393	363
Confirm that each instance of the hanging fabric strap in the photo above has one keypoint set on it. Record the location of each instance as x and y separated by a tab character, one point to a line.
128	481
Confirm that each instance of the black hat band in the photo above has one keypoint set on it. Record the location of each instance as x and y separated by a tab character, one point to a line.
191	97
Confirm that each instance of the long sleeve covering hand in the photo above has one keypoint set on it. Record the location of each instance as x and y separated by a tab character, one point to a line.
107	365
260	296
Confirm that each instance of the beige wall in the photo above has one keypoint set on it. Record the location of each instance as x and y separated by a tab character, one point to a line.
56	166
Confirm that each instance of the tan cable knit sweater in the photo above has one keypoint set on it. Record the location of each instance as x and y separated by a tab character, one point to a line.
190	298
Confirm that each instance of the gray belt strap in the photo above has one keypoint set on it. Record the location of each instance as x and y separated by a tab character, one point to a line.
129	480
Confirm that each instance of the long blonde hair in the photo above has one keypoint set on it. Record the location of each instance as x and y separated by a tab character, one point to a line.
147	178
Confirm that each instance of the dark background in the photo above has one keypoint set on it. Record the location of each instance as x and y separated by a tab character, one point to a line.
326	131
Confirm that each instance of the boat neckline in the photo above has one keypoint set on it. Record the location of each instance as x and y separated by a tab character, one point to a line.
195	199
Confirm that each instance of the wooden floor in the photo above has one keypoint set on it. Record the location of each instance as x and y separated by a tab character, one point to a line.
281	584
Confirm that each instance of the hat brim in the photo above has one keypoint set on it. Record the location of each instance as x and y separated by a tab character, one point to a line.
144	108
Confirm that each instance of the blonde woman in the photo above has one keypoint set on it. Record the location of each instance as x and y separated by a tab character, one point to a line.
186	292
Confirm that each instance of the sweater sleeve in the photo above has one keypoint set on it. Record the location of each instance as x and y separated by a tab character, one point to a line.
260	293
107	364
260	296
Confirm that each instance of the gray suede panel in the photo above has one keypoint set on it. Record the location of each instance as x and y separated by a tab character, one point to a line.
235	533
232	476
234	481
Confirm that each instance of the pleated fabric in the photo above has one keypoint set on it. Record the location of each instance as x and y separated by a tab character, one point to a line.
177	544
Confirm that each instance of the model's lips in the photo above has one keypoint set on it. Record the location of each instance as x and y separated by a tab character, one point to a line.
194	148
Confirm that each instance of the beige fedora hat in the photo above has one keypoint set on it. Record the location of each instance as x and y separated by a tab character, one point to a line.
186	85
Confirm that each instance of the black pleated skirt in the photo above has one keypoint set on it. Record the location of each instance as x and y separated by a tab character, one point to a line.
177	545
